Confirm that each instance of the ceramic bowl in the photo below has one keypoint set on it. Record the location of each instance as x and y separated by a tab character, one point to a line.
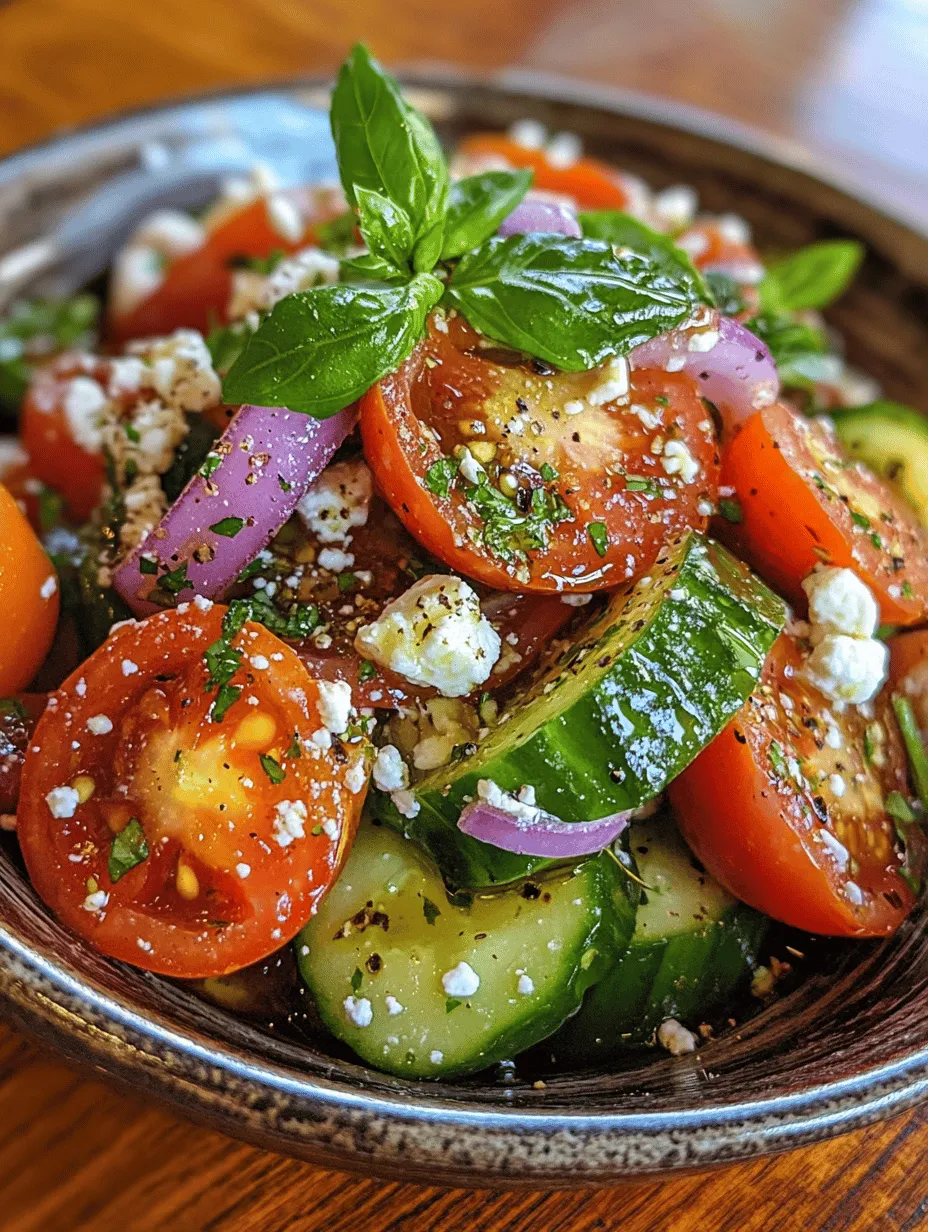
847	1047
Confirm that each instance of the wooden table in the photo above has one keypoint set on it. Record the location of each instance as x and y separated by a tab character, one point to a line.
848	79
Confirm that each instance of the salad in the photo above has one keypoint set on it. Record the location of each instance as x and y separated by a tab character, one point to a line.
479	592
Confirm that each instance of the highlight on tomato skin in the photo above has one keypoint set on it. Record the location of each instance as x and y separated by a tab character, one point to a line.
602	481
29	598
184	845
787	806
801	502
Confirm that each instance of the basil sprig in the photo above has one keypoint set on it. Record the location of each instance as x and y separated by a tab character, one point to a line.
571	302
623	231
812	277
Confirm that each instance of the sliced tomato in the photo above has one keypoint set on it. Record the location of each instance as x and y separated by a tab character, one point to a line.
384	562
718	244
804	502
18	717
55	457
29	598
787	807
594	493
226	834
196	288
908	671
594	185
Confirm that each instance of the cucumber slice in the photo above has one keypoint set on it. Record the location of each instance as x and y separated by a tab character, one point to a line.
609	721
893	441
693	945
387	932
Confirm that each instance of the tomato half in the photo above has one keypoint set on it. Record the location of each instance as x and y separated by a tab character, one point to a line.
196	288
593	490
244	822
55	457
908	671
29	598
786	808
804	502
592	184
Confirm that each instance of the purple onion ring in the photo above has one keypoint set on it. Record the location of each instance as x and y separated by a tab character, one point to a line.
545	836
540	215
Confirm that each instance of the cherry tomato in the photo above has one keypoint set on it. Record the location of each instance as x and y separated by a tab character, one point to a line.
384	562
196	288
580	495
592	184
718	244
803	502
29	598
18	717
55	457
787	807
184	845
908	671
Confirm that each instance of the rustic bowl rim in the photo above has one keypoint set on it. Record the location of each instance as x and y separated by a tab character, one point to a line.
337	1124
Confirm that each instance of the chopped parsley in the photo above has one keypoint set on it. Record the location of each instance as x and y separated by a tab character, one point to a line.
860	519
430	911
147	565
272	768
175	580
440	476
730	509
228	527
777	760
210	464
357	978
128	848
642	483
508	531
295	750
345	581
366	671
452	1004
599	536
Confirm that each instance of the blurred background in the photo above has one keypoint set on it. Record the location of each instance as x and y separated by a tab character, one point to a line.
848	79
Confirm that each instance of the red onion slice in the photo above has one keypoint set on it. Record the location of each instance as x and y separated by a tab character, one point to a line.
264	462
542	835
737	373
537	214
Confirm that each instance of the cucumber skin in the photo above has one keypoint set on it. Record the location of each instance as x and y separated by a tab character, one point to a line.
674	679
866	431
684	977
609	933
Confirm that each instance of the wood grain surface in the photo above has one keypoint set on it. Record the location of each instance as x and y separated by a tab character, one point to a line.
74	1154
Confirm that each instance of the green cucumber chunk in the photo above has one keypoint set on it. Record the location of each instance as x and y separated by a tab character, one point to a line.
387	932
693	946
893	441
607	722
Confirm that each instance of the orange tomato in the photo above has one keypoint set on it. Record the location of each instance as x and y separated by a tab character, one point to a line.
28	598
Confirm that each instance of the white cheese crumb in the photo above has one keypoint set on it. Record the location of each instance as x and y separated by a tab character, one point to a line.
848	669
390	771
677	460
289	820
48	587
83	404
470	468
563	150
334	704
526	985
836	847
243	870
99	724
393	1006
436	1056
81	687
96	901
62	801
359	1011
529	134
576	600
356	777
839	602
434	634
460	981
129	668
673	1036
837	785
338	501
405	803
335	560
521	806
854	893
285	218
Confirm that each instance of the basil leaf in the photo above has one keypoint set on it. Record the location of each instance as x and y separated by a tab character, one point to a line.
812	277
791	342
571	302
386	229
320	350
226	342
129	848
370	268
477	205
337	235
622	231
387	146
725	293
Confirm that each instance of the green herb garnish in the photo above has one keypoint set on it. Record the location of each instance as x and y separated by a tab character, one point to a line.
599	536
129	848
272	768
229	527
430	911
357	978
441	475
730	509
366	671
813	277
914	746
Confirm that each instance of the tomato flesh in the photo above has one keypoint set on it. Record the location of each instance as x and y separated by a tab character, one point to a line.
29	598
605	469
803	502
787	806
224	882
592	184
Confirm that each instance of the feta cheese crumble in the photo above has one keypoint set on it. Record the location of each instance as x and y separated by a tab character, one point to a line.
839	602
337	502
676	459
334	704
848	669
390	771
461	981
673	1036
99	725
62	801
434	634
359	1010
289	821
48	587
